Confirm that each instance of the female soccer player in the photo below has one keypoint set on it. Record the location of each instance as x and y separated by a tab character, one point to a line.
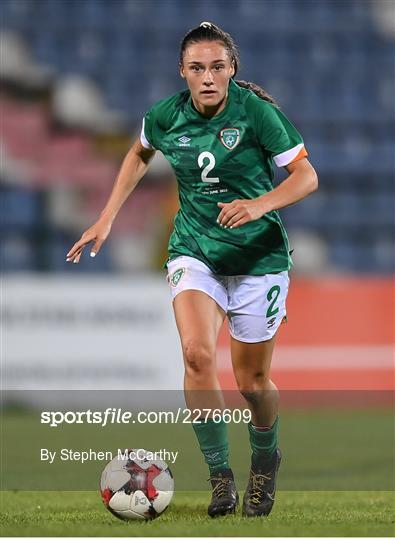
229	252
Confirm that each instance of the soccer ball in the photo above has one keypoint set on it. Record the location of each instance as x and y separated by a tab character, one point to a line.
133	486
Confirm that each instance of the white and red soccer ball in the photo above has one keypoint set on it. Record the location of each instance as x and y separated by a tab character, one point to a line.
135	487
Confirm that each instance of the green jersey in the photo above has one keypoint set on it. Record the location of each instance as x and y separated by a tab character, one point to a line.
219	159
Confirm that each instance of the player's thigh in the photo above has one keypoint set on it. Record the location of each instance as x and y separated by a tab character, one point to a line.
251	363
199	319
199	303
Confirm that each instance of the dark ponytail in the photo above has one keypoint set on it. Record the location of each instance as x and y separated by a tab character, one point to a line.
208	31
258	90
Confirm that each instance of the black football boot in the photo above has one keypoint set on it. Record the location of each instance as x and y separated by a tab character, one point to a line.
224	497
261	489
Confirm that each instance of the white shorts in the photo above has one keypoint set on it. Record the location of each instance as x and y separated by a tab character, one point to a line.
254	305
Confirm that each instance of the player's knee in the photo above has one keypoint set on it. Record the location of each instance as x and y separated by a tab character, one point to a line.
253	382
199	359
253	397
254	386
257	399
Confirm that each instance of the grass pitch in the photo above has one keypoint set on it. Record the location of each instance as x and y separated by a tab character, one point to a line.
324	450
342	513
328	454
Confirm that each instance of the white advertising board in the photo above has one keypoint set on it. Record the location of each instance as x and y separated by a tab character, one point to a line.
89	333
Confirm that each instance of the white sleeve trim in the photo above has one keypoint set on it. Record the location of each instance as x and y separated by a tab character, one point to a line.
283	159
144	140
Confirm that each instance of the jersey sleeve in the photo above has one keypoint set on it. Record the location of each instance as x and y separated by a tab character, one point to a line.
159	118
277	135
146	135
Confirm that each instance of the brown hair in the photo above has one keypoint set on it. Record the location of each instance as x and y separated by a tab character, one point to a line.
208	31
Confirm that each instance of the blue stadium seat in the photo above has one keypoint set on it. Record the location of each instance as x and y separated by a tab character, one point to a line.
58	246
17	15
20	209
17	253
352	256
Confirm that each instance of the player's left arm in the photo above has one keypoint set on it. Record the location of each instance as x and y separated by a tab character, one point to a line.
302	181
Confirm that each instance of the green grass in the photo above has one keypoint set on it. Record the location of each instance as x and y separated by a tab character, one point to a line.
324	450
295	514
335	480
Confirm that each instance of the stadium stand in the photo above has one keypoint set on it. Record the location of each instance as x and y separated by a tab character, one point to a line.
336	84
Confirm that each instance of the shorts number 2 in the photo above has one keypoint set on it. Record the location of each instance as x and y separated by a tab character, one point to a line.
272	296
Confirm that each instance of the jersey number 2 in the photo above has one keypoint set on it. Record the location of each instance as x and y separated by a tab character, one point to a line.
211	164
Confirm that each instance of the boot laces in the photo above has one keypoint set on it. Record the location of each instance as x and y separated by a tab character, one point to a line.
258	481
221	485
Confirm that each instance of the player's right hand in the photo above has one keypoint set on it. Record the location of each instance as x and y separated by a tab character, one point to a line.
97	234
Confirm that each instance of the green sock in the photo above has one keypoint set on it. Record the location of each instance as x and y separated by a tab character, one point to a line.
213	441
263	443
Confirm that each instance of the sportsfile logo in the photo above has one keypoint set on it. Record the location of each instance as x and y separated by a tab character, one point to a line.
184	141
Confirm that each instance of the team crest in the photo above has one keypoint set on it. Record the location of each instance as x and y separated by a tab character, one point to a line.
230	137
176	277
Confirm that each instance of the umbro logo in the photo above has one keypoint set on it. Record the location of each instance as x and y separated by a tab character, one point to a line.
212	456
184	140
271	322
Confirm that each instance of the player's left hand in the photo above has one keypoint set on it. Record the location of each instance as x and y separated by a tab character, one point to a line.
240	211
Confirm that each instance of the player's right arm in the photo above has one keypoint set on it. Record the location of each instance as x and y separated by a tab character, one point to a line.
133	168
